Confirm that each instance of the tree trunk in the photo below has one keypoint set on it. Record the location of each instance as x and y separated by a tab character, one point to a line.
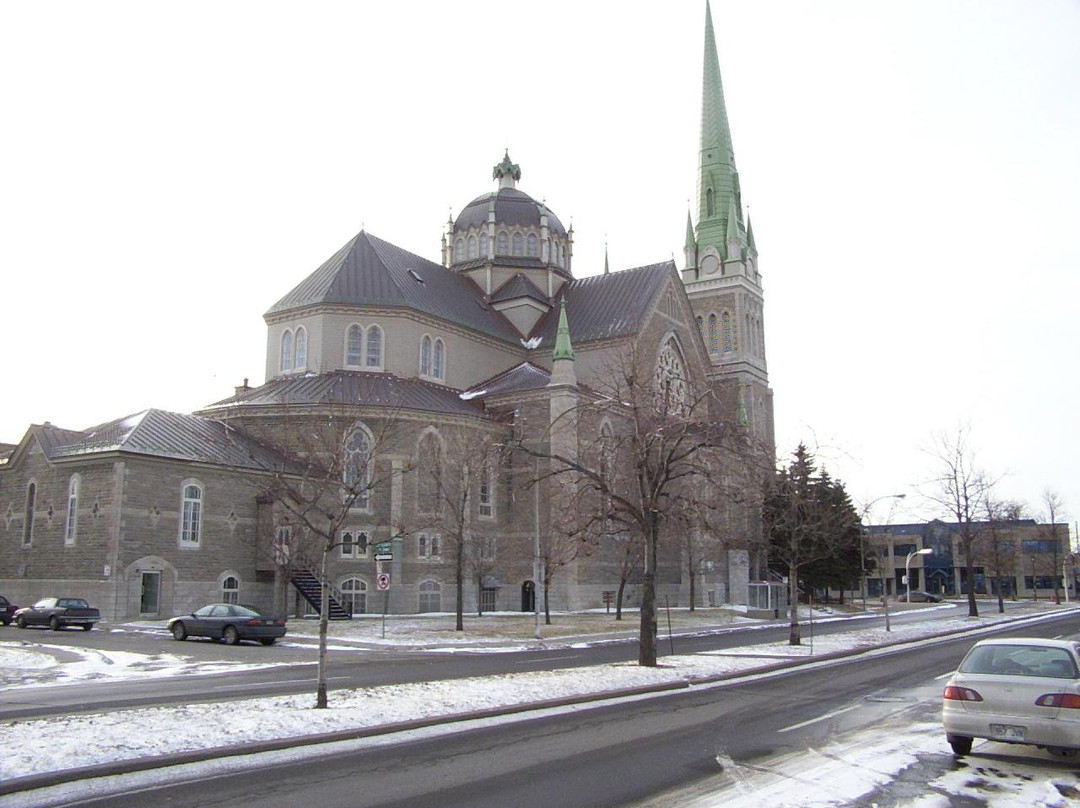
693	579
794	637
1001	598
647	634
547	598
459	581
619	598
324	624
969	566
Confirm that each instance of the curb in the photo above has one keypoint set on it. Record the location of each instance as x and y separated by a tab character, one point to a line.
50	779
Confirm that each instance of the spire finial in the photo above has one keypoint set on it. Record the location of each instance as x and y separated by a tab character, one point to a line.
506	172
607	270
563	348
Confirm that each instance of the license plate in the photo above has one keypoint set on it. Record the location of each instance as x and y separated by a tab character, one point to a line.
1008	732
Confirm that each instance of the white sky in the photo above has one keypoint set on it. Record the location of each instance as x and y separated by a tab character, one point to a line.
169	171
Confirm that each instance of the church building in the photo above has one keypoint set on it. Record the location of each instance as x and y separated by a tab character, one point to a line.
415	364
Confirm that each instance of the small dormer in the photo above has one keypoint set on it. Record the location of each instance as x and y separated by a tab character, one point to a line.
521	302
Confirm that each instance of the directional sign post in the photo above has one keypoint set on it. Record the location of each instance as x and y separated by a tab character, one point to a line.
382	581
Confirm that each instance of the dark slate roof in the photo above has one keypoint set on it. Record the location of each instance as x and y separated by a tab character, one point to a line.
512	207
606	306
518	286
357	388
520	378
158	433
368	271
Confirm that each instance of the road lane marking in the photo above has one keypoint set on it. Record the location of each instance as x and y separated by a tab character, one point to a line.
825	717
547	659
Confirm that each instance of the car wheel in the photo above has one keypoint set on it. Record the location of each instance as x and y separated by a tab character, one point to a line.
7	622
179	632
961	744
230	636
54	623
1061	751
21	622
87	626
268	640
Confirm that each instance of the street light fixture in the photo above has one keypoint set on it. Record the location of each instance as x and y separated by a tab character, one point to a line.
862	551
907	567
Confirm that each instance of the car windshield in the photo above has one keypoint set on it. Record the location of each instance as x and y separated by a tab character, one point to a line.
73	603
243	611
1020	660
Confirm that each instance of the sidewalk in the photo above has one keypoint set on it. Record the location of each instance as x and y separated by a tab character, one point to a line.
149	738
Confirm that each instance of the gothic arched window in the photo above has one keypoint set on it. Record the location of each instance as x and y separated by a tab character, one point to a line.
714	338
301	349
374	347
531	246
429	474
472	246
354	344
357	462
286	351
672	388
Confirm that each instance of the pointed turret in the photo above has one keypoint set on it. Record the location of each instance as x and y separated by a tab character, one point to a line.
607	269
690	247
563	348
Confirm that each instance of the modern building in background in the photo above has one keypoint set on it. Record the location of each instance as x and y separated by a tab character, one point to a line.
157	513
1019	557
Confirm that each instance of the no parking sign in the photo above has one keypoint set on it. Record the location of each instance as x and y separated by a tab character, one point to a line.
383	579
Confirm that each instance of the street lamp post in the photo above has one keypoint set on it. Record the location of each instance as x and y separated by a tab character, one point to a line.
862	550
1034	583
907	567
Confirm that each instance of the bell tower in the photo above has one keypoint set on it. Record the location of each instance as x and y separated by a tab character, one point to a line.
721	270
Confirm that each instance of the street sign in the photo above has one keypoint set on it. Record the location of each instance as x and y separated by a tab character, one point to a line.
384	556
383	579
384	551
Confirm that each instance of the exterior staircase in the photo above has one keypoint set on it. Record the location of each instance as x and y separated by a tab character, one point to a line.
307	584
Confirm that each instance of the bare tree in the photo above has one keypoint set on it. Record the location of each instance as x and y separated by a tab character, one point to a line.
996	546
452	468
667	446
335	470
1053	507
961	489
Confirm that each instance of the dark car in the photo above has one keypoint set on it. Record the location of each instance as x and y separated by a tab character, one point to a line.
924	597
58	613
7	611
229	622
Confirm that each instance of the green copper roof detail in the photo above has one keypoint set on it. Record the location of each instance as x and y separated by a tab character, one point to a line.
563	348
744	418
750	234
506	168
691	241
718	179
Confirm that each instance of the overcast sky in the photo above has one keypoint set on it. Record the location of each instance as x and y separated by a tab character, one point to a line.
169	171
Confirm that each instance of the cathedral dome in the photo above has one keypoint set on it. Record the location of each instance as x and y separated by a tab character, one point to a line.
509	227
512	207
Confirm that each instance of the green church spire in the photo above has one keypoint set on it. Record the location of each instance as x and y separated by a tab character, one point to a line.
563	348
718	180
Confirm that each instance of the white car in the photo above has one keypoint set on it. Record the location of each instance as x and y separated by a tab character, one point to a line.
1024	691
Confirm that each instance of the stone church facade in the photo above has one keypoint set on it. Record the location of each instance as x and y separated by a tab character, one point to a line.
407	362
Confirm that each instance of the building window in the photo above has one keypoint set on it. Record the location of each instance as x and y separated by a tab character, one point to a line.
472	246
230	589
354	543
429	545
531	246
672	390
430	597
714	336
301	349
353	596
483	245
438	370
710	207
487	548
191	515
1039	546
429	474
357	467
425	356
71	525
519	244
28	515
286	351
488	598
502	243
487	488
727	335
459	250
374	347
354	342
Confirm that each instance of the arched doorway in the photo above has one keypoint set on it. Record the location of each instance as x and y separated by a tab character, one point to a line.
528	597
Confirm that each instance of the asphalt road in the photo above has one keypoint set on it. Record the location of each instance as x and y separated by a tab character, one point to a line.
293	668
613	755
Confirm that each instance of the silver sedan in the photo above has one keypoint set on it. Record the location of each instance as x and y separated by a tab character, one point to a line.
1023	691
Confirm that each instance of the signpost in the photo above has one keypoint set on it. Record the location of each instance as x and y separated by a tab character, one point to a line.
384	551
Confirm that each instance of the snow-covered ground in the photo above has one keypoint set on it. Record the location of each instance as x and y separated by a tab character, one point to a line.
859	763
